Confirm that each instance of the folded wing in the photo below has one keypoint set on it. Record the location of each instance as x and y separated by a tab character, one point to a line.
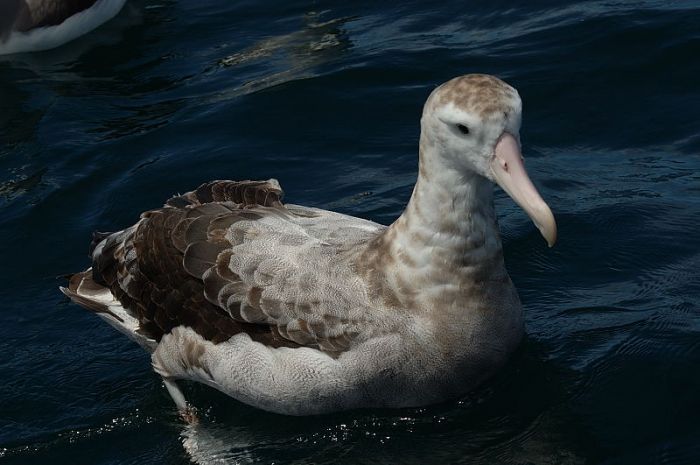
229	257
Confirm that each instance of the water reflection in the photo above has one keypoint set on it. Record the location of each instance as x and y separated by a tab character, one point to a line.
208	444
291	56
18	120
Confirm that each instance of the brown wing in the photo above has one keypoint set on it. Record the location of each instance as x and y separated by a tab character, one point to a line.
154	268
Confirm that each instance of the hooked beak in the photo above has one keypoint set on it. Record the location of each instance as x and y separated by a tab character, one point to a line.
509	172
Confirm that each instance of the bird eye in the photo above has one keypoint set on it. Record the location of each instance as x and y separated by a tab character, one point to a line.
463	129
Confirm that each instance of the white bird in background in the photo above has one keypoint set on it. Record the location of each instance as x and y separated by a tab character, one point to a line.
35	25
299	310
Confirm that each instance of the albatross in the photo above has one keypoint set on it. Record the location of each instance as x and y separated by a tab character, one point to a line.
35	25
298	310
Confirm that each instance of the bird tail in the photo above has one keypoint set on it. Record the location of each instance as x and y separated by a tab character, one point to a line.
84	291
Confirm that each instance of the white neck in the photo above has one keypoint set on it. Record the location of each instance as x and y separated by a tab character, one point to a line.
446	239
450	217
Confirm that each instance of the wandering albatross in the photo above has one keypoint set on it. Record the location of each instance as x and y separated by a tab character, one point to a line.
298	310
35	25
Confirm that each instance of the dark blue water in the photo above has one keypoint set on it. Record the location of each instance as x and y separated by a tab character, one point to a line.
326	97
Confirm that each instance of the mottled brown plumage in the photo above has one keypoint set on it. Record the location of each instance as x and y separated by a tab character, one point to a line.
485	96
405	315
157	269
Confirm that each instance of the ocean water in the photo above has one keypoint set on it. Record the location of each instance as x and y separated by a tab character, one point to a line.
326	97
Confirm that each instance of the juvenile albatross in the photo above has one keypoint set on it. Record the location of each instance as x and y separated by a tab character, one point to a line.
299	311
35	25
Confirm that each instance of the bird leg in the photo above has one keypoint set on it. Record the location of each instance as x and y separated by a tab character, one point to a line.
187	412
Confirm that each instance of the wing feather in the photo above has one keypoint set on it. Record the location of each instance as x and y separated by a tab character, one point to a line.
229	257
